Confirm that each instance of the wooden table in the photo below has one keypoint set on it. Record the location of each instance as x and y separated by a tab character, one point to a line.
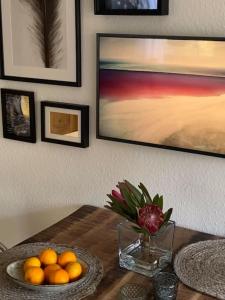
95	229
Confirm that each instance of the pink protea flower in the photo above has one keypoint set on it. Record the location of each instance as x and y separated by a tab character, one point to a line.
150	217
117	196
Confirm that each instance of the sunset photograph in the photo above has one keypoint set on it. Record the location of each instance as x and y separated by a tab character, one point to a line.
163	92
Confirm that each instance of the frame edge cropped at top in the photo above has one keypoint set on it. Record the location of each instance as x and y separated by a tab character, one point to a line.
76	83
102	137
163	9
84	123
32	138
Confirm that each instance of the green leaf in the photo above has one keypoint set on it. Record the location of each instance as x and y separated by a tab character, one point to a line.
122	187
132	200
121	213
120	205
137	229
108	207
167	215
134	193
133	189
160	203
113	199
142	201
140	230
148	199
135	200
155	199
158	200
132	204
127	207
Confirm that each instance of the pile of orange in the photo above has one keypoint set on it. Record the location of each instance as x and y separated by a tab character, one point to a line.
51	268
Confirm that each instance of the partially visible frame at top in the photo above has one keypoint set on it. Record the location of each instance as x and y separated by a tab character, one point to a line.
132	7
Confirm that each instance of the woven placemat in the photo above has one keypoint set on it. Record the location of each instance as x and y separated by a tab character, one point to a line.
201	266
11	291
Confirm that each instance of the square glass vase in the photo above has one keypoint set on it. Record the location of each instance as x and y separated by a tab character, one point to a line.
146	255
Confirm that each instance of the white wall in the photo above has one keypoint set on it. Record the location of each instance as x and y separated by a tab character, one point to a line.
43	182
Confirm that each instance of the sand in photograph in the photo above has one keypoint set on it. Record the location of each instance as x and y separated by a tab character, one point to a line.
166	109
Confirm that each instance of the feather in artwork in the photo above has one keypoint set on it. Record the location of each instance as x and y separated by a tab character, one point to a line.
45	30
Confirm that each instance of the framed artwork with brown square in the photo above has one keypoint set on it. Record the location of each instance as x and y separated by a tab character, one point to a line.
18	115
65	123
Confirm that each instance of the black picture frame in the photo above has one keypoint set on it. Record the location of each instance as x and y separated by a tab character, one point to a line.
16	125
102	9
220	77
75	69
83	129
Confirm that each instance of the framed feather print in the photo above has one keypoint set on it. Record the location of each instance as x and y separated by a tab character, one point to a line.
41	41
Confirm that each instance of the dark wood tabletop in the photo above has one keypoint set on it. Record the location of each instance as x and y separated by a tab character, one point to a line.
95	229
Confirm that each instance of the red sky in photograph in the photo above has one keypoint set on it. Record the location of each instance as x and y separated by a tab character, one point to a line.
121	85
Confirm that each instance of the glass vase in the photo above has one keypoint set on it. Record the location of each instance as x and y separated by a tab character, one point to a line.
145	254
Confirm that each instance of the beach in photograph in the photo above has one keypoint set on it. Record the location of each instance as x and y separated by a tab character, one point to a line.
167	109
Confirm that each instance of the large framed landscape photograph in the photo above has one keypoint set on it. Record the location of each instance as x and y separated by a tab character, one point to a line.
40	41
132	7
166	92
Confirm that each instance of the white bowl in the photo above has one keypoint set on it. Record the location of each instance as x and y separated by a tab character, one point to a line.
15	271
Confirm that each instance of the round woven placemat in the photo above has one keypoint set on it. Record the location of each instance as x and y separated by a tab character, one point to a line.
201	266
11	291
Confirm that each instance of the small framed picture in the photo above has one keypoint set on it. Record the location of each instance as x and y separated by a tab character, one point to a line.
41	41
131	7
64	123
18	115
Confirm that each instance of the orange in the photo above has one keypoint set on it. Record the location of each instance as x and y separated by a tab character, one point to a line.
48	257
74	270
34	275
49	269
31	262
58	277
66	257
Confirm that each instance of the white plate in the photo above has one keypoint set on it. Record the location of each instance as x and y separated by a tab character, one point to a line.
15	271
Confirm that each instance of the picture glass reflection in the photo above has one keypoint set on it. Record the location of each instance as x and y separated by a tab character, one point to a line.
132	4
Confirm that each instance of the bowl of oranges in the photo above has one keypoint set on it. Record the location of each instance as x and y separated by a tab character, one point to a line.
49	270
